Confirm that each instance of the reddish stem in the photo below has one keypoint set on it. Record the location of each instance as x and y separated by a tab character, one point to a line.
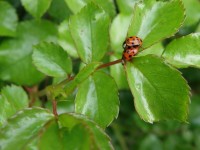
54	103
109	64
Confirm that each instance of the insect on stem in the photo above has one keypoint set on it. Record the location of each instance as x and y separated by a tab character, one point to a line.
109	64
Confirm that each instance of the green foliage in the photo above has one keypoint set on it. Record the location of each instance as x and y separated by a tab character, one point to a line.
59	57
184	52
15	54
91	99
152	17
52	60
37	7
8	19
89	29
65	39
22	128
156	95
12	99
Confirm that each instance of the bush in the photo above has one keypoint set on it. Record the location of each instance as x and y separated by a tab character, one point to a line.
64	77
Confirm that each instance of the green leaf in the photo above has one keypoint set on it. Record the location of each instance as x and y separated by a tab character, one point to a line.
192	8
90	31
15	54
65	39
156	49
12	99
37	7
184	52
155	20
52	138
52	60
126	6
119	24
86	72
23	127
159	90
94	100
8	19
80	77
117	72
59	10
107	5
84	133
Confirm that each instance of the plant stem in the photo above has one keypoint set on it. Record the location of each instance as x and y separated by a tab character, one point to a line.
64	82
54	105
109	64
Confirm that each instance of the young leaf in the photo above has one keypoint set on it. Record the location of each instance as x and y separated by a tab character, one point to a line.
159	90
15	54
94	100
23	127
37	7
65	39
107	5
8	19
52	60
83	133
12	99
155	20
90	31
184	52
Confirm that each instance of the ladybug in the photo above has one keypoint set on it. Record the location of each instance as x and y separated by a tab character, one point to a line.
131	47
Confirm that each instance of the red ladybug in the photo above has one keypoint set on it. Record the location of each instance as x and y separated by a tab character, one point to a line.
131	47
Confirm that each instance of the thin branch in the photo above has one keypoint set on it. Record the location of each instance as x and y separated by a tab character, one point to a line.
109	64
54	105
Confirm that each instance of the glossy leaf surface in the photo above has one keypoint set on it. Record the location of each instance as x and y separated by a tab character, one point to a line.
94	100
65	39
22	128
52	60
15	54
107	5
159	90
120	24
90	32
156	49
36	7
83	134
8	19
155	20
12	99
184	52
